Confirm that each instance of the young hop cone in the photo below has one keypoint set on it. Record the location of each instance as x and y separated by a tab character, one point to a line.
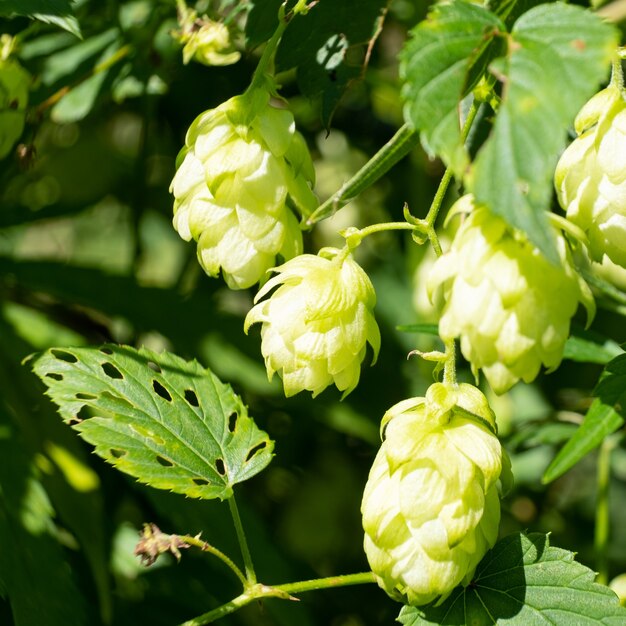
243	171
509	305
430	506
590	178
14	84
317	324
207	42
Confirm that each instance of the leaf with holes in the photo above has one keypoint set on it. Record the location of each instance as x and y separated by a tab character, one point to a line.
170	423
524	581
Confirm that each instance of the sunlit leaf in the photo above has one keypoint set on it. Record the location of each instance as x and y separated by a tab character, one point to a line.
557	56
435	67
605	415
524	581
57	12
168	422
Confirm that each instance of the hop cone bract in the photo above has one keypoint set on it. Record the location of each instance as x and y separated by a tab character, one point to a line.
242	170
430	507
317	324
590	177
509	305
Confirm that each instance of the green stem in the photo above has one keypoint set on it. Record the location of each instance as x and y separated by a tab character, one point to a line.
243	543
395	149
449	367
440	194
207	547
266	62
601	535
279	591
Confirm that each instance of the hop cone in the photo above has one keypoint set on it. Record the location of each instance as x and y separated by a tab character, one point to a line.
430	507
590	177
242	170
317	324
509	305
14	82
207	42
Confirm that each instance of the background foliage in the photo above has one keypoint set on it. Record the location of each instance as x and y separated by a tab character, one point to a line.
88	256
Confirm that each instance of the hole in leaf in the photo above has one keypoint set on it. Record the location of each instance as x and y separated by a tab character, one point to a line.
111	371
220	467
164	462
191	397
200	481
117	454
232	421
154	366
256	449
83	414
64	356
85	396
54	376
160	390
106	351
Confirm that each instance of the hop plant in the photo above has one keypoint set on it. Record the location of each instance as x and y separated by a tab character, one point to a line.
317	324
509	305
590	177
14	83
242	171
430	506
207	42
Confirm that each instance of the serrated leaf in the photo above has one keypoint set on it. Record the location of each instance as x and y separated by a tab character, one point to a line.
328	47
435	67
57	12
524	581
170	423
605	415
558	55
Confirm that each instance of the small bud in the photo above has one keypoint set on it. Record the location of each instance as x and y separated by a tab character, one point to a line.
590	177
206	41
509	305
14	85
430	507
153	542
317	324
243	169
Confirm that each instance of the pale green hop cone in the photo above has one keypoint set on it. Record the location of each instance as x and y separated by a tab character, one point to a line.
508	304
243	172
317	324
590	178
14	85
430	506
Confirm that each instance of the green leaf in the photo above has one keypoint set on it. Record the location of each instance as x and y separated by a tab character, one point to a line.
80	100
262	21
57	12
589	347
168	422
328	47
558	55
435	67
523	581
605	415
